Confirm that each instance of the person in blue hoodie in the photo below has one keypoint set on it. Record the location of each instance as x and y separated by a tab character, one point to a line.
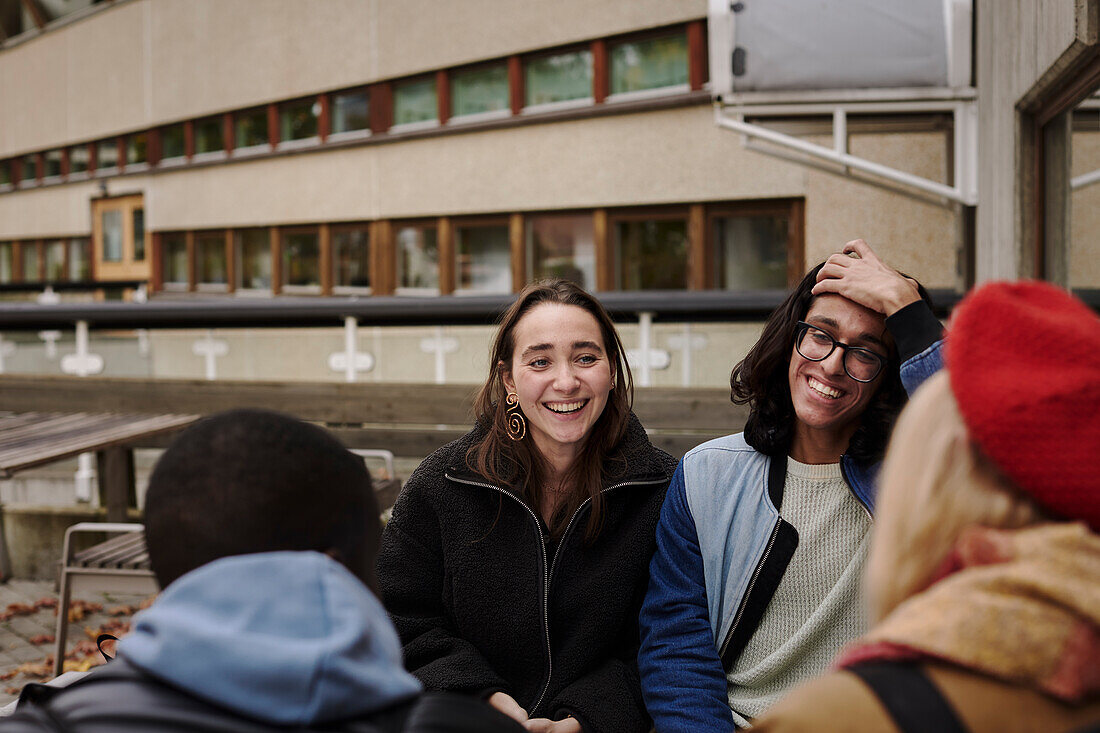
262	531
754	585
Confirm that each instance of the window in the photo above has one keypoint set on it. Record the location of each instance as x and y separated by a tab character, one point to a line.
750	252
560	77
172	142
480	90
415	101
111	228
78	159
137	148
80	259
484	258
417	258
137	220
210	265
209	135
351	257
562	245
55	260
298	120
106	154
53	164
651	254
350	111
28	169
253	250
31	272
301	259
650	63
7	262
250	128
118	236
5	173
174	259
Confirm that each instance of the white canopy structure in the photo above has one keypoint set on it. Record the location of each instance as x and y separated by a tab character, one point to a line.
811	58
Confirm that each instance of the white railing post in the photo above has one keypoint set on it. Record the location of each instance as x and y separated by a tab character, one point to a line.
440	346
210	349
82	363
350	360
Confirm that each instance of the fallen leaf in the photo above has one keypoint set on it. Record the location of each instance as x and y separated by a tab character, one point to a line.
42	639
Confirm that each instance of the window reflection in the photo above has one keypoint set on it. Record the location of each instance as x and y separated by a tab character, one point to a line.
750	252
210	264
417	258
650	63
483	259
562	246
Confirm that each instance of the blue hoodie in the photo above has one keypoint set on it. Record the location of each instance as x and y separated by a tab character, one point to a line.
288	638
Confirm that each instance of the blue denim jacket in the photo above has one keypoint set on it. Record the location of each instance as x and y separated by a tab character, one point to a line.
719	500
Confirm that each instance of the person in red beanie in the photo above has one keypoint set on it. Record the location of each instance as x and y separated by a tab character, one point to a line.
984	572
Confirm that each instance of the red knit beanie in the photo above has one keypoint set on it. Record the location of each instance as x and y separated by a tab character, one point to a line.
1024	360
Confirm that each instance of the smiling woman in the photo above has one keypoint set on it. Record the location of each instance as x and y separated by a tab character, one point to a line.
517	557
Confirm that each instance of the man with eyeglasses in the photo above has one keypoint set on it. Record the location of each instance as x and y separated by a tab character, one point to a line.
755	584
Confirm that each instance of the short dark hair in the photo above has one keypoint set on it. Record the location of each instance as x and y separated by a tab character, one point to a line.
518	463
760	380
248	481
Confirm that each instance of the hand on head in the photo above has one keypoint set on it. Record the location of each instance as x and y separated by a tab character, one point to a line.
858	274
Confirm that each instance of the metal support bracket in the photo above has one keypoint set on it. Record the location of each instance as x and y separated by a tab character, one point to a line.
839	161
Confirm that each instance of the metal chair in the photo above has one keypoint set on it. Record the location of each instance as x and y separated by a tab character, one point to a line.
120	564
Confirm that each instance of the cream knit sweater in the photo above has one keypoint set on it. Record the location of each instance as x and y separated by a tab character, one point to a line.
818	606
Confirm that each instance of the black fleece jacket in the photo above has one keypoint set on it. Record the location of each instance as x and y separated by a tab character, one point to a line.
481	605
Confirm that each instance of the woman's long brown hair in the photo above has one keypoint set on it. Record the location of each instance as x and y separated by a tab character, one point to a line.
519	465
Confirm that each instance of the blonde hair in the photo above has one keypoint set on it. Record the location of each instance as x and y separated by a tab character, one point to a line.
935	482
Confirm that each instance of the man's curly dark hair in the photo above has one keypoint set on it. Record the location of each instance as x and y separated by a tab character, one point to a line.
760	380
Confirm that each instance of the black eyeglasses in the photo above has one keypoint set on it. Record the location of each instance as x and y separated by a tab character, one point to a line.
861	364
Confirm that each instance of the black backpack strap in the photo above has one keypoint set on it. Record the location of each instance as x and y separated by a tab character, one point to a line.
915	704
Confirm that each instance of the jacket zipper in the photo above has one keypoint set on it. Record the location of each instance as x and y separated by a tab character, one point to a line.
548	573
748	591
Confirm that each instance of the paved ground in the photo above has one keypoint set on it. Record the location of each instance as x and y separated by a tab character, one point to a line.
28	622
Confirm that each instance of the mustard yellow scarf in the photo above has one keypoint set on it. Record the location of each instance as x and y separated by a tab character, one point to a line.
1019	605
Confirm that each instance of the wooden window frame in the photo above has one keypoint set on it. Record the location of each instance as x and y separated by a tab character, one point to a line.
1041	227
127	268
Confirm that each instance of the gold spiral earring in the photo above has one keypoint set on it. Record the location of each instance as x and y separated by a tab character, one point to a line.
517	426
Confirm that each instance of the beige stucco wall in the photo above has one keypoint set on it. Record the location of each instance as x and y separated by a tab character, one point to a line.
668	156
147	62
1084	251
1022	47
